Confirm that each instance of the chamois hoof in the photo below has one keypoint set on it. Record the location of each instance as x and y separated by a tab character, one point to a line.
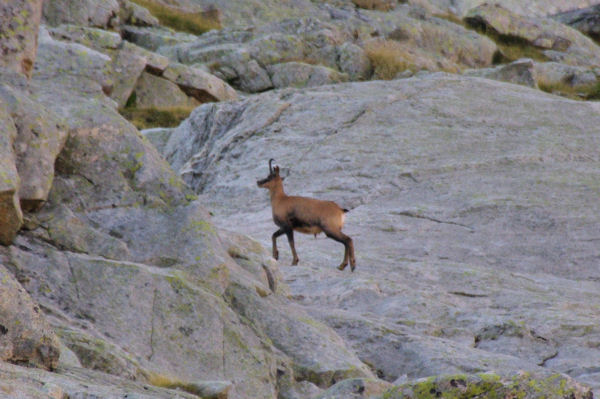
342	266
295	263
352	267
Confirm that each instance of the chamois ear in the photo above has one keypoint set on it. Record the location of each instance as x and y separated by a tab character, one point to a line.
276	170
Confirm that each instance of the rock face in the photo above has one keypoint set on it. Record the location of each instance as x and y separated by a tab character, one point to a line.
18	41
465	221
25	336
474	205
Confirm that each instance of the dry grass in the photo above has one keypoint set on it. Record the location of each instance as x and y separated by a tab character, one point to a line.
388	58
146	118
378	5
196	23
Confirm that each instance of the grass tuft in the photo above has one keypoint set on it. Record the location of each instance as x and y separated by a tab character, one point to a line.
388	58
196	23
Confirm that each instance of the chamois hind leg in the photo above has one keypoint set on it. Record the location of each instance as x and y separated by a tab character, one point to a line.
348	248
290	236
274	238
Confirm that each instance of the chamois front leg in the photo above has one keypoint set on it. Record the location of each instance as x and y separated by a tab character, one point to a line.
290	236
274	238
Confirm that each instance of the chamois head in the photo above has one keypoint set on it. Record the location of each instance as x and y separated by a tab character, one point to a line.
273	177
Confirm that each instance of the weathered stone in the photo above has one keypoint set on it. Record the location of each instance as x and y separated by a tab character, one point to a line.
40	137
356	388
158	136
25	336
75	66
556	75
586	20
297	74
353	60
96	38
127	66
153	38
520	72
557	41
77	383
19	20
11	216
134	14
199	84
152	91
95	13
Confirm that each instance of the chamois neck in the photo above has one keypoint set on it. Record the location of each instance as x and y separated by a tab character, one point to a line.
276	191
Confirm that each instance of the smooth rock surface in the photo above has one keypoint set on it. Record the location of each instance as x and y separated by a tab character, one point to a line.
473	206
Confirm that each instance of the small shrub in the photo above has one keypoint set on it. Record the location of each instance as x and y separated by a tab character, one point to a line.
196	23
146	118
388	58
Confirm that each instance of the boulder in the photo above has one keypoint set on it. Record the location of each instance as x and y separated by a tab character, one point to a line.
153	38
558	42
25	336
94	13
520	72
40	136
134	14
585	20
11	216
152	91
20	20
127	66
95	38
199	84
73	66
353	61
557	77
297	74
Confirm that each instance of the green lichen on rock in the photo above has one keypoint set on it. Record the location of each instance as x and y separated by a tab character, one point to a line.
491	386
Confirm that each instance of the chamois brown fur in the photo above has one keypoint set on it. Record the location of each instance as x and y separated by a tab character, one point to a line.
305	215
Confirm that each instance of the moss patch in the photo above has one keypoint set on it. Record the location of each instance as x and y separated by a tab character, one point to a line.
196	23
146	118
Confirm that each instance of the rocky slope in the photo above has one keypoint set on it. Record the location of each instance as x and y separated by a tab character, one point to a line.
125	272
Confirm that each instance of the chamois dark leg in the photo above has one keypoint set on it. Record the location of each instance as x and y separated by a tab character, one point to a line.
290	236
274	238
348	248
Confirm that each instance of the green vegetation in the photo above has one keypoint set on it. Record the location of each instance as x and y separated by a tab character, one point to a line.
583	92
196	23
145	118
388	58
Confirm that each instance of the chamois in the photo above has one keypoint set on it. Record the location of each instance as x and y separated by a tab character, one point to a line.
305	215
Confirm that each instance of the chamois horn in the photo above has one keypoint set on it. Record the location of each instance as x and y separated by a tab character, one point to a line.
270	168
